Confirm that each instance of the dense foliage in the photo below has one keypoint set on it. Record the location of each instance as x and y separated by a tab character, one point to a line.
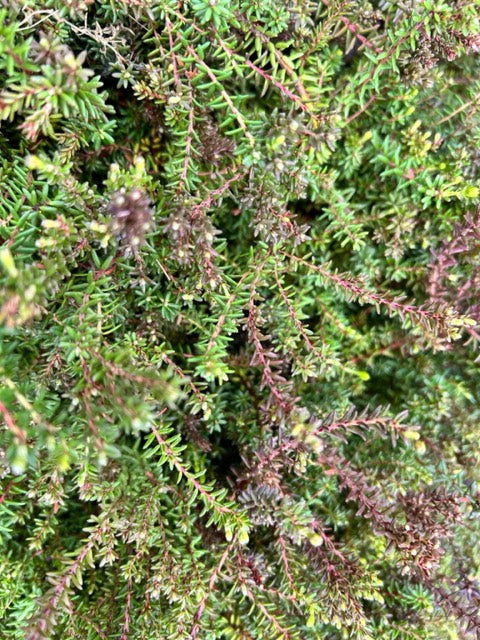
239	317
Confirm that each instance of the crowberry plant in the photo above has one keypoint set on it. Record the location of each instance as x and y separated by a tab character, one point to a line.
239	319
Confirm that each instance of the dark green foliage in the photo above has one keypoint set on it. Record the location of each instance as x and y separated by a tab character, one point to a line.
239	315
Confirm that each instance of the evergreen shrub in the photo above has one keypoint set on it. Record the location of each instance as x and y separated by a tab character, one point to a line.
239	315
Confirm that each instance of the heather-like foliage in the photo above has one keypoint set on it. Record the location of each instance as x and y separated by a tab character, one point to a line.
239	317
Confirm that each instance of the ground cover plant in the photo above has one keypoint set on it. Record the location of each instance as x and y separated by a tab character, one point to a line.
239	318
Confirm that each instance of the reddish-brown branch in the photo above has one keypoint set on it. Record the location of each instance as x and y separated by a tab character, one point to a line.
176	75
211	584
12	425
358	291
6	491
188	140
126	615
283	555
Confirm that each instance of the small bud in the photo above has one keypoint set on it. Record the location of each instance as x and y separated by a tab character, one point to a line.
243	536
6	260
316	540
420	447
132	215
34	162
